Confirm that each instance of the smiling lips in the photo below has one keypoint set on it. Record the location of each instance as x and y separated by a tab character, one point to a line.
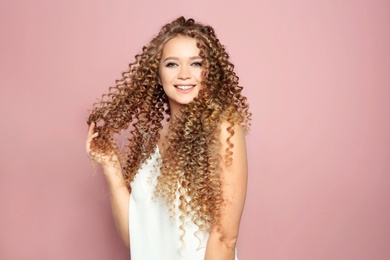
184	87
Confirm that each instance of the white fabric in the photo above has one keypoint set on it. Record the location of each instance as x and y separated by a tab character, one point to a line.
153	234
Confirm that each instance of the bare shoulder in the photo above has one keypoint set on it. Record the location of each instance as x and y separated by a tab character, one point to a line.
227	128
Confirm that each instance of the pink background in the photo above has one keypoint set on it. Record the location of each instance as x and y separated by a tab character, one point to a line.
318	80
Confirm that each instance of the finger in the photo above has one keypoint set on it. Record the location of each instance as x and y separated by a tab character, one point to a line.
93	136
91	129
88	142
90	138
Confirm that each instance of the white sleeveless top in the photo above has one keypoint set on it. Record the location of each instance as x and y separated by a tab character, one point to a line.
153	234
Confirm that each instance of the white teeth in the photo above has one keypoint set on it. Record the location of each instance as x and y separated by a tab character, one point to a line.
184	87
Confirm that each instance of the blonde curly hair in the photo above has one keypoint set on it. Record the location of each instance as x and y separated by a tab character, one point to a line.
191	158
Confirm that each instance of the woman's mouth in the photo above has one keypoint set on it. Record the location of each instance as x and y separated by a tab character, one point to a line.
184	87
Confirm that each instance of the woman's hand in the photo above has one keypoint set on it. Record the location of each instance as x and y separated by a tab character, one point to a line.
102	159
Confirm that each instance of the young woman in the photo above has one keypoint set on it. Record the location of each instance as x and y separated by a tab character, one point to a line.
178	190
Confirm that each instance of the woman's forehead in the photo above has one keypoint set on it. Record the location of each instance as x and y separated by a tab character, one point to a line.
180	46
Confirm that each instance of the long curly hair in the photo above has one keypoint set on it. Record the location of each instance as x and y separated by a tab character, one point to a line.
190	163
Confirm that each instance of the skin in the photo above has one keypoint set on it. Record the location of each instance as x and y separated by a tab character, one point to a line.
234	186
181	66
119	194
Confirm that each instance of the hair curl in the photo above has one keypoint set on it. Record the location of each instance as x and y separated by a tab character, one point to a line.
191	156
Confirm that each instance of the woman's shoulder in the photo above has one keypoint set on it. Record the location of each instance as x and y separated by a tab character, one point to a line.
231	132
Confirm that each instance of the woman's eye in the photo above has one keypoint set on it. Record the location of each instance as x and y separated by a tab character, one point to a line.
197	64
171	64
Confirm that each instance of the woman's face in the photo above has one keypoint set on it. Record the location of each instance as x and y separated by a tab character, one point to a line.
180	71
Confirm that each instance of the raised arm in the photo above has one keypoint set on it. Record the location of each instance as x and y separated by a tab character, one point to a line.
119	194
221	246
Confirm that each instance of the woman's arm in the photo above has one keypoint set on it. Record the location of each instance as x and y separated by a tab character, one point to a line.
119	194
221	245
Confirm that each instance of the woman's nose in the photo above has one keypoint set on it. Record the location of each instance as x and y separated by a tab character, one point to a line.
184	73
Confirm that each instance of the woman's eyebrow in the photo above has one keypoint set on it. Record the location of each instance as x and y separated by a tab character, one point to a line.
176	58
